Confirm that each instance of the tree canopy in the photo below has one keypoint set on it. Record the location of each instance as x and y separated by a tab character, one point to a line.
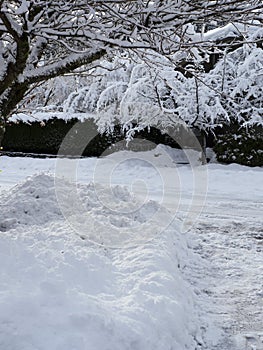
43	39
157	93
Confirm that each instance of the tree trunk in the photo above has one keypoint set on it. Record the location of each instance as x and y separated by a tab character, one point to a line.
8	104
2	131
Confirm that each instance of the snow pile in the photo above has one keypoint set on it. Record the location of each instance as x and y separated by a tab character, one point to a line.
61	291
103	215
160	156
31	203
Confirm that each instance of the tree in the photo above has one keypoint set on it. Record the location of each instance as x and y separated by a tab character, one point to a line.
135	92
42	39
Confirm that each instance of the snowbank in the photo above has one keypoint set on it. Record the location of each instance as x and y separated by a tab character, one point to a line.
160	156
62	291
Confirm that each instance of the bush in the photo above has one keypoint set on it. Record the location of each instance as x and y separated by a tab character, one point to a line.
242	145
46	137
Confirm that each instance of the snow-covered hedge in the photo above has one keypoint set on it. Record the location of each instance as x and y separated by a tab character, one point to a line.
46	137
44	133
240	145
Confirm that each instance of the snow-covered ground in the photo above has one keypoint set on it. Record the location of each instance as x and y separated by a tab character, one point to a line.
171	261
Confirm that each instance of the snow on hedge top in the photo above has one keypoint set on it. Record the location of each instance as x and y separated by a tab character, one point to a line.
42	116
60	291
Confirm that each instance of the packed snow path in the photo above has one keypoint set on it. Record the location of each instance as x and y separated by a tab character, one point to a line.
229	235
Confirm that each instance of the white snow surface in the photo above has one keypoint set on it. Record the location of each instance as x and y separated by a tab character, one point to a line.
114	271
62	290
45	115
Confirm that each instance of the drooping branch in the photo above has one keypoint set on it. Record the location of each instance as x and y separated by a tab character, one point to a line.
44	39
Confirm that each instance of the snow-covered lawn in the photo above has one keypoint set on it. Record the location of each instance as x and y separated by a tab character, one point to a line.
158	264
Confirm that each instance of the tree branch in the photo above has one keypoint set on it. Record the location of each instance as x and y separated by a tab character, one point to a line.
59	68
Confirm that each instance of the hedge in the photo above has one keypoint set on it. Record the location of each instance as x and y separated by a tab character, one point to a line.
242	145
46	137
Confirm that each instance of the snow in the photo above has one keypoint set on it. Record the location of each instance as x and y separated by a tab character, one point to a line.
229	30
162	156
103	288
45	115
114	270
23	8
60	291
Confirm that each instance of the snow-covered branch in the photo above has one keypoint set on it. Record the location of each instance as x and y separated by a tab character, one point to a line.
157	93
41	39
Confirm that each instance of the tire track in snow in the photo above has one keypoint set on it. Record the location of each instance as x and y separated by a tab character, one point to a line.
229	237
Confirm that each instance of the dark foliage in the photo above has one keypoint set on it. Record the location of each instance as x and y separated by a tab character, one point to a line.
242	145
46	138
